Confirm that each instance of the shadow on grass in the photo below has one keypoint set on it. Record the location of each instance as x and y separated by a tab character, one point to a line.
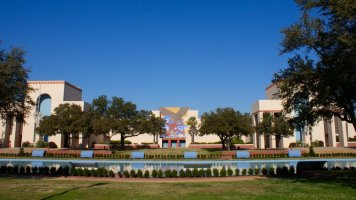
344	178
72	189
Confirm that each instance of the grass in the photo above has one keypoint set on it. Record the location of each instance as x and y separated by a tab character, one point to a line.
13	188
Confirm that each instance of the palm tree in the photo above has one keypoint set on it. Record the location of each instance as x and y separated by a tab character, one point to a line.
193	130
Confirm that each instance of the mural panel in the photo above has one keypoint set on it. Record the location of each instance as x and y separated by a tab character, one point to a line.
175	127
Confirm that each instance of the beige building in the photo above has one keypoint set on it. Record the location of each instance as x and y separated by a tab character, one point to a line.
332	133
47	96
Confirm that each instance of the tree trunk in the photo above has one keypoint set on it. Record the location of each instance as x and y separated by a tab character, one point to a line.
193	138
228	144
8	130
311	135
122	141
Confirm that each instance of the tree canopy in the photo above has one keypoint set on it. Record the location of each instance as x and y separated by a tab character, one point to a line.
226	123
66	120
320	81
14	90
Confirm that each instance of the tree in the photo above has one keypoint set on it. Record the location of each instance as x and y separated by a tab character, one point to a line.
15	102
155	126
321	83
281	129
118	117
193	130
66	120
226	123
265	127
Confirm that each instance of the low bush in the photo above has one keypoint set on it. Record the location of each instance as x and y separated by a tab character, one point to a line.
237	172
80	172
146	174
139	173
250	171
126	174
160	173
168	173
264	171
279	171
74	171
34	170
133	173
208	172
311	151
28	170
223	172
21	152
216	172
22	170
86	172
229	172
244	172
271	171
59	171
257	171
111	174
174	173
285	171
53	171
188	173
195	172
154	173
181	173
291	170
202	173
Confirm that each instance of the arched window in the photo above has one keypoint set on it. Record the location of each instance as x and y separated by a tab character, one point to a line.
44	108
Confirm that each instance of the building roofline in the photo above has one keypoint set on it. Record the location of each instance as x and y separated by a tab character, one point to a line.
56	82
271	85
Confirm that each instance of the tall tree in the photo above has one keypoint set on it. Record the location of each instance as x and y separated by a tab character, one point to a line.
66	120
155	127
320	81
226	123
281	129
265	127
15	102
118	116
193	129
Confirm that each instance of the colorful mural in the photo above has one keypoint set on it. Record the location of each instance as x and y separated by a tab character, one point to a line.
175	127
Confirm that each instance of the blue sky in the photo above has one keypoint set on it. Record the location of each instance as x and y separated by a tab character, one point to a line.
201	54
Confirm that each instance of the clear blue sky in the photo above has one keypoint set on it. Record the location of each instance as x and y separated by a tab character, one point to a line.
202	54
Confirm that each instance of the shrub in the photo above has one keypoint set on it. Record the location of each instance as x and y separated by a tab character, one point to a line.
52	145
53	171
34	170
15	169
160	173
74	171
111	174
291	170
59	171
93	172
279	171
26	144
80	172
181	173
250	171
188	173
271	171
237	172
146	174
174	173
202	173
257	171
229	172
285	171
244	172
168	173
126	174
3	169
86	172
208	172
28	170
154	173
216	172
41	144
195	172
139	173
264	171
133	173
22	170
223	172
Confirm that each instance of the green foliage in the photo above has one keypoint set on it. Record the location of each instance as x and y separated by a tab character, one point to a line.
324	86
21	152
216	172
139	173
250	171
244	172
174	173
257	171
168	173
160	173
226	123
133	173
126	174
41	144
181	173
237	172
188	173
146	174
154	173
264	171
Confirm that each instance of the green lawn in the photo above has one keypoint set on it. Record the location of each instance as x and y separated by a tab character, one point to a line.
250	189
